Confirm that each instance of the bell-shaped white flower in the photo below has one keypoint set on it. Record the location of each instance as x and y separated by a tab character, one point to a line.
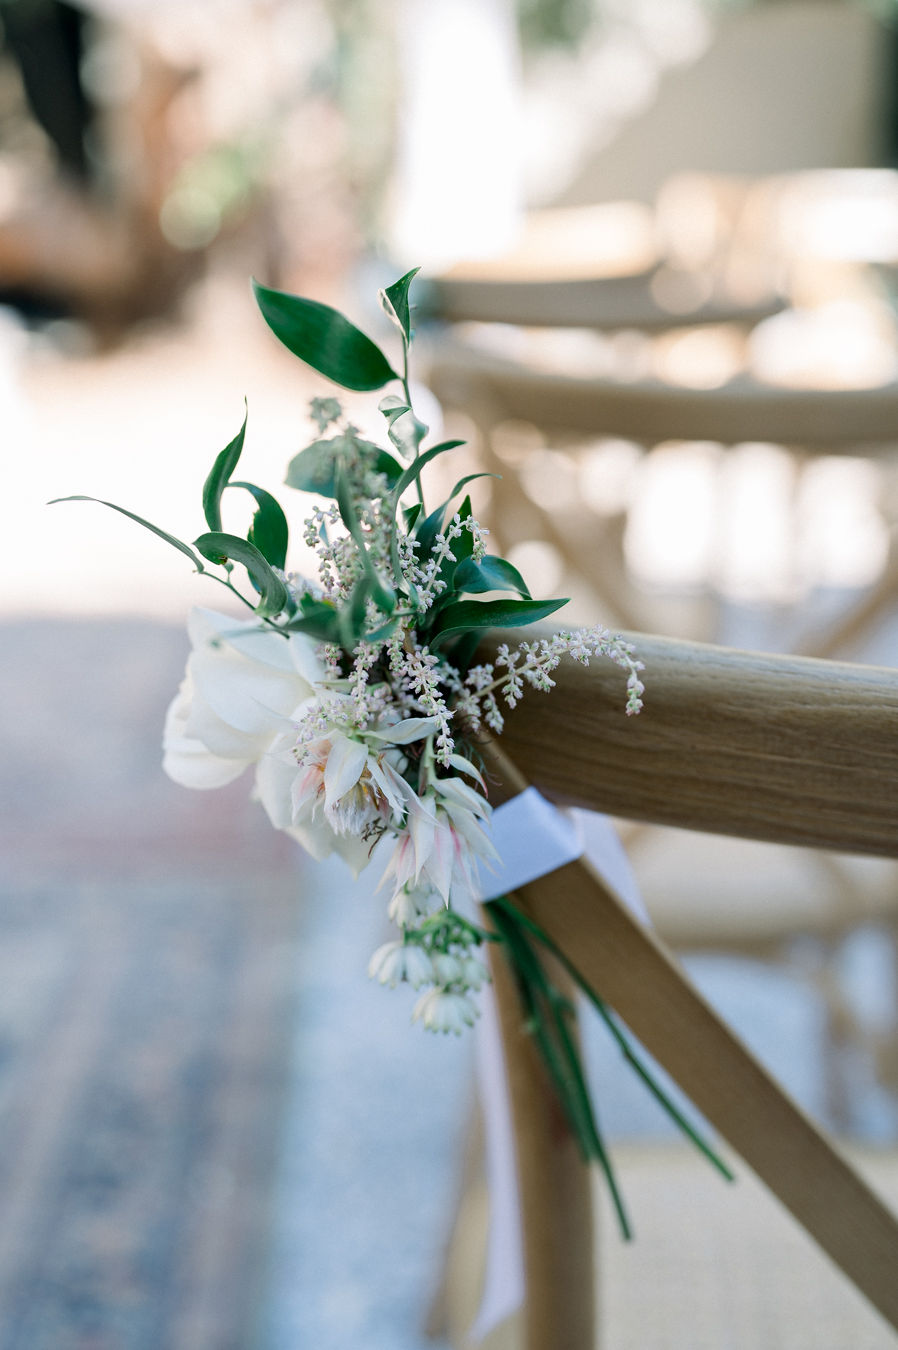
474	973
396	962
442	1010
239	688
447	968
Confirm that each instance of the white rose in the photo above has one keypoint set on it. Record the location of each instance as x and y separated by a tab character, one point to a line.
239	690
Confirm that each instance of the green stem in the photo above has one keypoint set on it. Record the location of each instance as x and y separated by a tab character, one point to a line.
548	1010
623	1042
228	585
408	398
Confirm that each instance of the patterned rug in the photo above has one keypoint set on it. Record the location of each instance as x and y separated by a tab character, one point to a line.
148	946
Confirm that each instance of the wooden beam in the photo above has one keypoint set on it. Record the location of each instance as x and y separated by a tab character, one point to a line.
649	411
790	750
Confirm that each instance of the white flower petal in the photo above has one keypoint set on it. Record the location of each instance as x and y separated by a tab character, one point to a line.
401	733
345	764
459	792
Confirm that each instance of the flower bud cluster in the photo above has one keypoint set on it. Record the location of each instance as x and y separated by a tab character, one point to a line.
442	954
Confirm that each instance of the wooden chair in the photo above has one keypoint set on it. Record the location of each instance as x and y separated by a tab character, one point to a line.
598	303
494	390
791	750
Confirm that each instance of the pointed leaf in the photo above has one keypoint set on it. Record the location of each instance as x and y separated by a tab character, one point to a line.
219	476
318	618
169	538
414	470
218	546
466	615
324	339
395	301
490	574
352	613
269	530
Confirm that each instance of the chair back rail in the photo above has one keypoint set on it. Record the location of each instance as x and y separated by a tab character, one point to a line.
786	749
651	412
600	303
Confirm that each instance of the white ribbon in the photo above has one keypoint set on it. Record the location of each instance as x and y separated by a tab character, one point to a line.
533	838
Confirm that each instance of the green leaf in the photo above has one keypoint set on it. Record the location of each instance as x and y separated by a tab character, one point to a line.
324	339
411	514
382	633
269	530
395	302
406	433
620	1036
314	469
351	616
490	574
428	530
217	481
413	471
465	615
169	538
462	548
218	546
322	624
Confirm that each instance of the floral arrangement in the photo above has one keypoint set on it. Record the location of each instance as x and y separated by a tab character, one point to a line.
358	696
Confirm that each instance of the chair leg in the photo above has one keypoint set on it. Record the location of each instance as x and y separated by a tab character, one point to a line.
632	971
554	1188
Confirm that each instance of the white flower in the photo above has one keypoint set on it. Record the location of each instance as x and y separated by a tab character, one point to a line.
437	850
440	1010
447	968
345	789
475	974
396	961
239	688
410	902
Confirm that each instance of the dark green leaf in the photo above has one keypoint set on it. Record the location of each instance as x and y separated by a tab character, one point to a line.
217	481
324	339
429	529
463	482
169	538
351	618
462	548
411	514
269	530
382	633
465	615
413	471
314	469
490	574
397	301
322	624
218	546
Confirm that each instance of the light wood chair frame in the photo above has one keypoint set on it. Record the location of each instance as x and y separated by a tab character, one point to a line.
789	750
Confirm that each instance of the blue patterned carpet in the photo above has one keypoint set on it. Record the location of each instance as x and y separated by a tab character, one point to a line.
148	944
